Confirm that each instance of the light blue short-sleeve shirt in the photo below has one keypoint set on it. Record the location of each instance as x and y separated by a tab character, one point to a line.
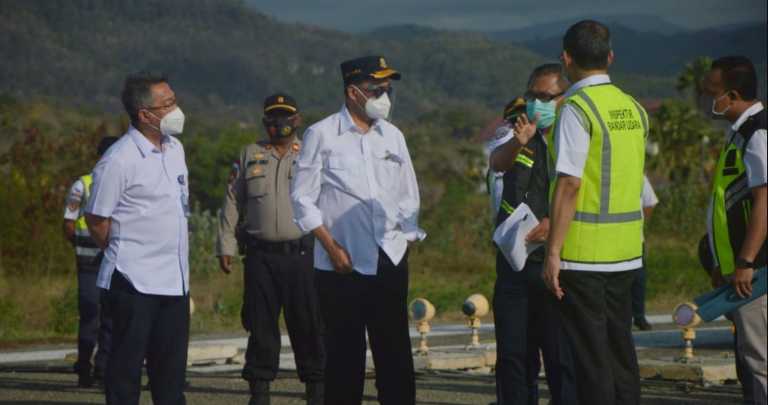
145	192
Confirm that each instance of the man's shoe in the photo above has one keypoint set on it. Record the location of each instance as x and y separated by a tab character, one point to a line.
315	393
259	392
643	323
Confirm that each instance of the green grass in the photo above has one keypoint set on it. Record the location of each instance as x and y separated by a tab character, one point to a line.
456	260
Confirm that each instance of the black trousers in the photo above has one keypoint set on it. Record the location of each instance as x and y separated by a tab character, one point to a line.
95	325
597	317
638	292
155	327
353	303
527	320
275	281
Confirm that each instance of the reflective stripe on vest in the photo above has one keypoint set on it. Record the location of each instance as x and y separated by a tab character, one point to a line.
85	247
606	231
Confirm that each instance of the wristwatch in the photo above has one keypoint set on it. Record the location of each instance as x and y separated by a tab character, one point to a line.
742	263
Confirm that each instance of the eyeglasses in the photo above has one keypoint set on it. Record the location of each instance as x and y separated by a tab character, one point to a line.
545	97
377	91
162	107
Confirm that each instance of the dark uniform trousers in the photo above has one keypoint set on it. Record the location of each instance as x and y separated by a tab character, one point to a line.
352	303
597	317
155	327
95	325
527	320
281	277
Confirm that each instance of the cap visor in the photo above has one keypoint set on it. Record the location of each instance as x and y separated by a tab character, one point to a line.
285	107
386	74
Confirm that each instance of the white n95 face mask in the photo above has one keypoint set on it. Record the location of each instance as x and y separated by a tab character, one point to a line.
173	123
378	108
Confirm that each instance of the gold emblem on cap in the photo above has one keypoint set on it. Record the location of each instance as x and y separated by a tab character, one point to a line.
382	63
280	99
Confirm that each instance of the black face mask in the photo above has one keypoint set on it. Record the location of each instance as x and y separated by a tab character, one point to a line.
285	126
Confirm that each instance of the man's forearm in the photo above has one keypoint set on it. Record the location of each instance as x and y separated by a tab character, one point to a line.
757	226
98	227
561	212
325	237
503	157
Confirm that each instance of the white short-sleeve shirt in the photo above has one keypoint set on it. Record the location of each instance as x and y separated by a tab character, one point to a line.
144	191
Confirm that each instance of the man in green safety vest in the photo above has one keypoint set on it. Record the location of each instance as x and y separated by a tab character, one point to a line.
88	257
594	249
736	220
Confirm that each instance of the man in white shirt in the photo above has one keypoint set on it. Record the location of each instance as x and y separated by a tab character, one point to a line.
648	200
94	324
505	132
595	237
138	214
737	216
354	187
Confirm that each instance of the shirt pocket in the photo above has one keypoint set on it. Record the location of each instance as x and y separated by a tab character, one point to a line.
387	166
345	172
256	181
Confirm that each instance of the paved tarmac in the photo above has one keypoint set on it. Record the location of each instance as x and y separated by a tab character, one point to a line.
26	379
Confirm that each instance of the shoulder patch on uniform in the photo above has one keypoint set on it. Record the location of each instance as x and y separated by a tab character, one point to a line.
295	147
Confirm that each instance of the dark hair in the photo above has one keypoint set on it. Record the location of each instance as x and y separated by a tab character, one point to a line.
137	92
105	143
545	70
588	42
739	75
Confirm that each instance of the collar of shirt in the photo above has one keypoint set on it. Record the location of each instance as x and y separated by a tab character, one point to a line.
145	146
586	82
347	124
754	109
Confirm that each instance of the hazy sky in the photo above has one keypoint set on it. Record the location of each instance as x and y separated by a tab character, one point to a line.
487	15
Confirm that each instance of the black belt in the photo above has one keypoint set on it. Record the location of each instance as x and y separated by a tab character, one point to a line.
303	244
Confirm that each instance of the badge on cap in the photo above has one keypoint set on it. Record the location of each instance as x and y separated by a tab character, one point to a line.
281	99
382	63
257	156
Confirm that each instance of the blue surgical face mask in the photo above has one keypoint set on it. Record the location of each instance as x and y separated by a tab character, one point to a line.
546	111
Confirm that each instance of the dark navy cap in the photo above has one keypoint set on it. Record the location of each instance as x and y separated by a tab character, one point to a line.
280	102
367	67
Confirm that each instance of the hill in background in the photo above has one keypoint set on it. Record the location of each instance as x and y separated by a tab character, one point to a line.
224	58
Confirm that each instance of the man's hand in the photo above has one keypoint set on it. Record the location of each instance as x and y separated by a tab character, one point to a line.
524	129
342	264
225	264
742	282
551	275
540	233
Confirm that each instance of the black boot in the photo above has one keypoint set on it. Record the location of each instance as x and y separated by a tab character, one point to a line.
259	392
315	393
642	323
84	377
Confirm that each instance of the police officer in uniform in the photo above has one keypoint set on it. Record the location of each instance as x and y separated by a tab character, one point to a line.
526	313
279	271
94	323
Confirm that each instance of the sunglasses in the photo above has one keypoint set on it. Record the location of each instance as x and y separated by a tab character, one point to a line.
278	121
545	97
377	91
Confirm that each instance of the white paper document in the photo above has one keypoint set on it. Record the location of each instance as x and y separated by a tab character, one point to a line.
510	236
